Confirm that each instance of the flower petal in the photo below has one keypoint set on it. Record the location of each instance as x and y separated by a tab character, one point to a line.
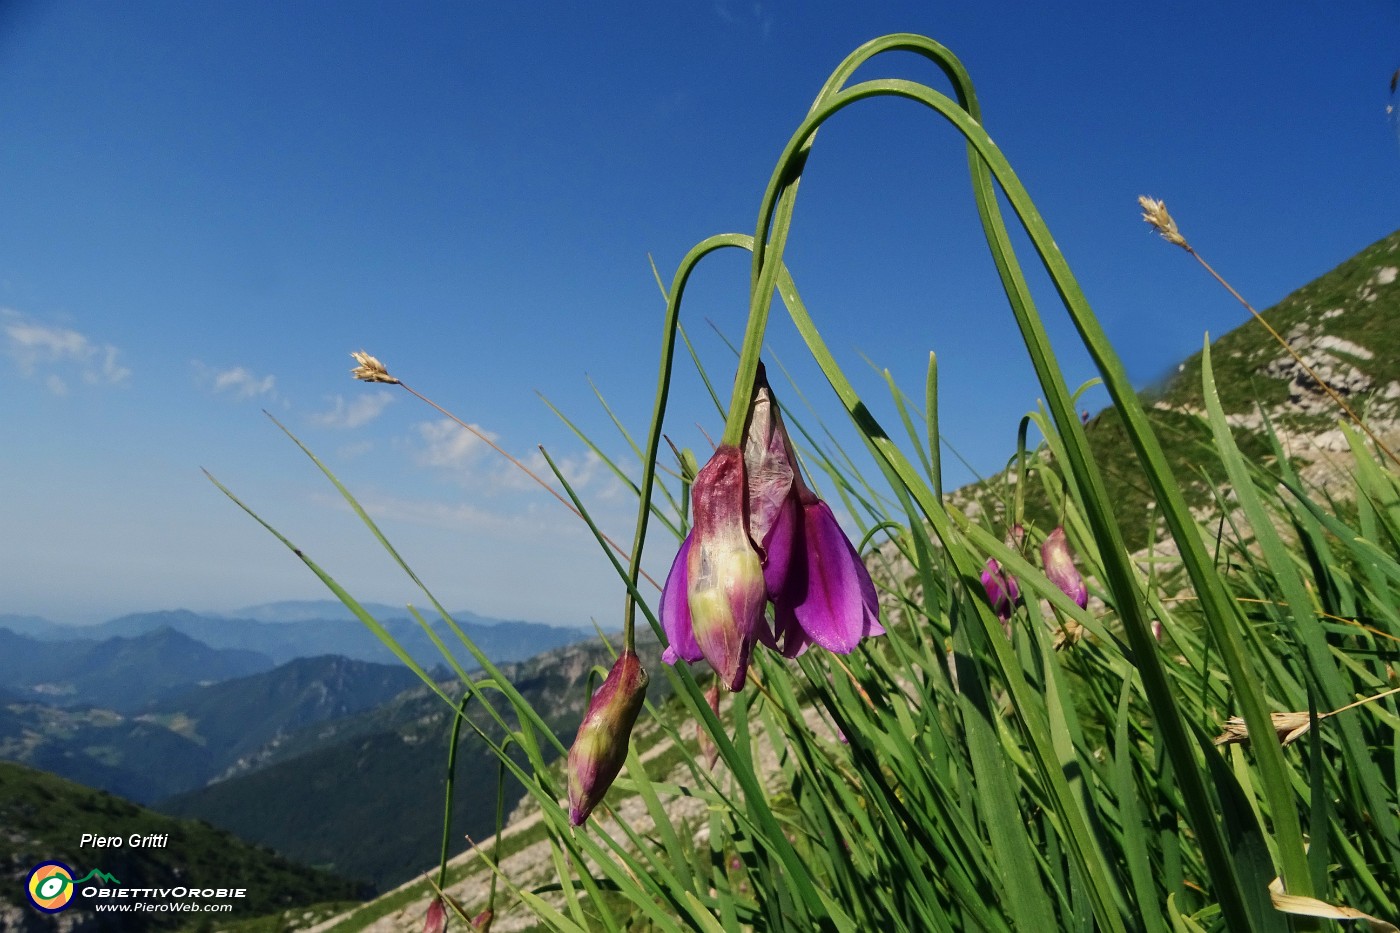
675	611
837	605
778	548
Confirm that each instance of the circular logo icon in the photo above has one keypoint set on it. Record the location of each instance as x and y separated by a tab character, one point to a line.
50	887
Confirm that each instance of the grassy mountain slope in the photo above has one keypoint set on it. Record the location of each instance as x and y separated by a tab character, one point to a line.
363	795
43	818
1342	324
243	716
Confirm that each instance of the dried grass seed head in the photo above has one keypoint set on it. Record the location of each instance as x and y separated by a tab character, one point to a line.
369	369
1155	213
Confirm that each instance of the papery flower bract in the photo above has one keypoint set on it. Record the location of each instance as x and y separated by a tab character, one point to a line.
770	470
1059	567
600	747
369	369
482	921
724	578
1002	590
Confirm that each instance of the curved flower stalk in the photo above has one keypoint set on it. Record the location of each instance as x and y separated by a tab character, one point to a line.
761	535
600	747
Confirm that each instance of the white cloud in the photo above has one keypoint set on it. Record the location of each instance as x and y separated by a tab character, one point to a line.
580	470
236	381
448	444
241	383
54	351
364	409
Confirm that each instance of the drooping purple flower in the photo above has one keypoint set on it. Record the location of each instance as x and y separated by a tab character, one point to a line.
723	574
1059	567
600	747
1002	590
436	919
827	597
821	592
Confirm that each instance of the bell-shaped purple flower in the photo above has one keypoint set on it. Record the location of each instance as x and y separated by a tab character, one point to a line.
1059	567
600	747
782	544
1002	590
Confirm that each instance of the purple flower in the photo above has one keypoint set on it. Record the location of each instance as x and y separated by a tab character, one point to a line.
1002	591
600	747
1059	567
766	537
720	577
826	596
436	919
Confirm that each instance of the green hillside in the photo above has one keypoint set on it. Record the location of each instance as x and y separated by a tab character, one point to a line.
44	817
362	795
1342	324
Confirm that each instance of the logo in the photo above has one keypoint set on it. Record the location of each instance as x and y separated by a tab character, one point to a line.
50	886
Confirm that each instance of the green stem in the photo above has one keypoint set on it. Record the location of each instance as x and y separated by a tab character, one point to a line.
663	390
451	779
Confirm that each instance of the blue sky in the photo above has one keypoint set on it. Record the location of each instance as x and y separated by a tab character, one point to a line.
205	207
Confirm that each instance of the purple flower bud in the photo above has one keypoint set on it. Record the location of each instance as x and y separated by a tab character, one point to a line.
436	920
600	747
1059	567
1002	591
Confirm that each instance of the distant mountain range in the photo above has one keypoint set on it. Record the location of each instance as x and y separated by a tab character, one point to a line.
185	740
283	631
158	703
120	672
331	761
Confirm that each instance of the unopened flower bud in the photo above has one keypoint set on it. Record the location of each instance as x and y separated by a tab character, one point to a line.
1059	567
600	747
436	919
1002	590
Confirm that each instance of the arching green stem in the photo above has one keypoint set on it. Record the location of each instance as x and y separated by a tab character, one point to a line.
658	414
